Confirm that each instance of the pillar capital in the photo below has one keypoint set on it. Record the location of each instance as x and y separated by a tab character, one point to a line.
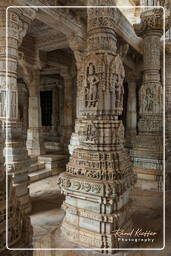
30	71
78	46
151	23
22	16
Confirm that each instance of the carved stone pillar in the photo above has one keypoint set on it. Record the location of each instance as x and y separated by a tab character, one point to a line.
99	174
35	143
68	108
17	160
148	147
131	118
78	46
19	226
168	113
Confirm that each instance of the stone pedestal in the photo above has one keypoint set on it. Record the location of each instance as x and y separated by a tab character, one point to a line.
148	147
99	174
19	226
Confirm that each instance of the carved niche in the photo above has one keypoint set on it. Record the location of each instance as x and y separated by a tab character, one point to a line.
91	82
151	98
117	75
90	133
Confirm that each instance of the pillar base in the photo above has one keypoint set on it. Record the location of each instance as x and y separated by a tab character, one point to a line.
149	179
147	159
17	162
89	239
95	210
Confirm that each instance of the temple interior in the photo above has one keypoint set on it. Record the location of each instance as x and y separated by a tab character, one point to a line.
85	127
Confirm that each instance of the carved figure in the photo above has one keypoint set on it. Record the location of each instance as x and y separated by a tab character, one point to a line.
148	100
91	87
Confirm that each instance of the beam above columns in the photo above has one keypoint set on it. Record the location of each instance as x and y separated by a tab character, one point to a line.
67	24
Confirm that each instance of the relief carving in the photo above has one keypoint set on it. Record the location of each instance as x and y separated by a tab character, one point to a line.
148	100
117	75
91	87
90	133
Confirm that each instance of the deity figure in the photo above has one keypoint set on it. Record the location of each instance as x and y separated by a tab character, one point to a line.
91	133
148	100
91	90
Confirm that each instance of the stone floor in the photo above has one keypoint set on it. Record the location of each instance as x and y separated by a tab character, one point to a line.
47	215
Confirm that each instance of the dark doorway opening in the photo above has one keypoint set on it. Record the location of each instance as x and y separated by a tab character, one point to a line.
46	107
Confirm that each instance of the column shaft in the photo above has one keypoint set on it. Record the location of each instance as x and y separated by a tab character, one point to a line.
148	148
35	144
68	109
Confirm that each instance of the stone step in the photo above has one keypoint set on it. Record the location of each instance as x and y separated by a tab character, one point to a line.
36	167
53	146
53	161
33	160
39	175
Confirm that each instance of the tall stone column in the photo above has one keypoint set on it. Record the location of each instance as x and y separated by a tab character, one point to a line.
17	161
78	46
131	118
148	147
68	107
99	174
35	144
168	112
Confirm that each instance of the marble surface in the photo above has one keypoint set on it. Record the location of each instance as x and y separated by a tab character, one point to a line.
47	215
